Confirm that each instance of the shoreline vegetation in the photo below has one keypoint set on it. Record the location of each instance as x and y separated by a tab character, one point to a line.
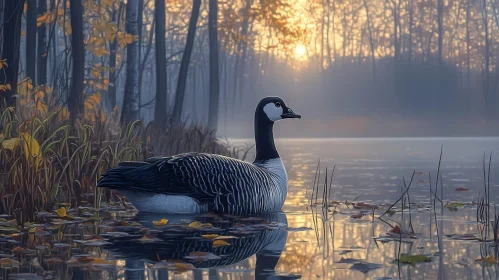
46	162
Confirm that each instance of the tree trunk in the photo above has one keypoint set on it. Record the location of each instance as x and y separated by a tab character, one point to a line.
75	102
160	109
214	75
440	20
42	46
130	110
113	47
184	64
485	18
371	41
10	49
31	40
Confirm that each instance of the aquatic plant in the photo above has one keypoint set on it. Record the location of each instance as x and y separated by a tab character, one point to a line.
45	161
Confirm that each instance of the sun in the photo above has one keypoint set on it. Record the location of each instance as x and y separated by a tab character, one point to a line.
300	51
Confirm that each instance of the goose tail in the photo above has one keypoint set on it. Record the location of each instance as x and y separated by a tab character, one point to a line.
123	176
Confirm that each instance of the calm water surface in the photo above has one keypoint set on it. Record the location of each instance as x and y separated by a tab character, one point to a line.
303	242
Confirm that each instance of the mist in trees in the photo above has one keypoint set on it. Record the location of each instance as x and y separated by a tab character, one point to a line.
353	68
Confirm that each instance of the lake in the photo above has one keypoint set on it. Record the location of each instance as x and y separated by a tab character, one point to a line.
345	240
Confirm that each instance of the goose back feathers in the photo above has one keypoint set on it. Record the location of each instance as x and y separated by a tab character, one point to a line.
213	182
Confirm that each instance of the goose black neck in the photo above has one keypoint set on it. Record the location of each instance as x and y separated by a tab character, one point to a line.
264	138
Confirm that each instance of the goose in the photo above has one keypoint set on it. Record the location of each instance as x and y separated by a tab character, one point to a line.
199	182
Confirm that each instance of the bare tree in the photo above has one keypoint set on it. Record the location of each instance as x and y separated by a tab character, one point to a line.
371	42
11	42
214	75
75	102
160	110
184	64
42	47
31	40
130	110
113	47
440	20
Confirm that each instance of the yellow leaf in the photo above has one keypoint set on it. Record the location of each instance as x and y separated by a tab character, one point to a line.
219	243
31	147
221	237
209	236
195	224
100	51
11	144
160	223
103	261
61	212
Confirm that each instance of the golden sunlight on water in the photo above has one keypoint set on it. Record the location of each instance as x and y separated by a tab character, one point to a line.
320	245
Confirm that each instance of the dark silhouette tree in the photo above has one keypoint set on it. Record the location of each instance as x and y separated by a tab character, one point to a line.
160	110
75	101
31	40
130	110
42	47
11	41
184	64
214	75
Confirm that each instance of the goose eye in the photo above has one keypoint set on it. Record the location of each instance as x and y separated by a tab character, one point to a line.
277	104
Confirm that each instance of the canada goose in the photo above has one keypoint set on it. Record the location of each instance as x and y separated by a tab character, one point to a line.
198	182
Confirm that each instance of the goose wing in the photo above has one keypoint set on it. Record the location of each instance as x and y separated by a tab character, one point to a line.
204	177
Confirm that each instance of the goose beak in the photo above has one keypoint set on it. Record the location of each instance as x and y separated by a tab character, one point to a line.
290	114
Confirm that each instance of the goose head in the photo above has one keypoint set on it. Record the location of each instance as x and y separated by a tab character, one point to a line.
269	110
274	109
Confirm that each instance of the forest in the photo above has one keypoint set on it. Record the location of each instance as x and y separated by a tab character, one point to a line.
87	84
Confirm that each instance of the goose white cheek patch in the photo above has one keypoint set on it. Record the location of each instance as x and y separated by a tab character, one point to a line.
273	113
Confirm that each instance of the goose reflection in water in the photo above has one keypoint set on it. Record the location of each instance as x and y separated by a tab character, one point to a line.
264	235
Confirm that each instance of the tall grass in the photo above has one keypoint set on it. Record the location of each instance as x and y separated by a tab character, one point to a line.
45	161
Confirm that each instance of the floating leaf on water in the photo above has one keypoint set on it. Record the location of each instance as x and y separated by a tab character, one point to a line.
363	205
8	263
160	223
365	267
116	234
219	243
349	260
454	206
413	259
209	236
61	245
357	216
18	250
92	242
488	260
182	267
195	224
467	236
